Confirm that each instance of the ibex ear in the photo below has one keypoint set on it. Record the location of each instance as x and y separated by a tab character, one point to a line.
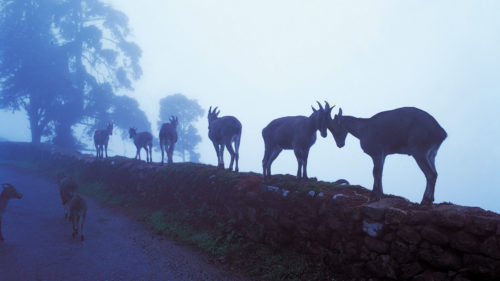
340	112
209	110
314	110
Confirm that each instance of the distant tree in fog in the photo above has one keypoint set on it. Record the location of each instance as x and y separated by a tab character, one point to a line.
61	61
188	111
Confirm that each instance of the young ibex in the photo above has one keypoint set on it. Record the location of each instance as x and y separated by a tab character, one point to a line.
142	140
8	192
67	189
406	130
77	214
101	139
223	131
294	132
168	138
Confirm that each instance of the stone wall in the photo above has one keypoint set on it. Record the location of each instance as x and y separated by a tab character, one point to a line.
392	239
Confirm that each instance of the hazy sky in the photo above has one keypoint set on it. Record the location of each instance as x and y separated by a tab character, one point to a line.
260	60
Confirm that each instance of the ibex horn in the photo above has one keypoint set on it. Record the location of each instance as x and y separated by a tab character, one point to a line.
327	105
320	107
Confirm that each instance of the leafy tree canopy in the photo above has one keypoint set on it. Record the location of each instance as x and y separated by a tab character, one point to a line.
62	61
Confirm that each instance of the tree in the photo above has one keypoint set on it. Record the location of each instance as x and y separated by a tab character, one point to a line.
32	69
57	57
188	111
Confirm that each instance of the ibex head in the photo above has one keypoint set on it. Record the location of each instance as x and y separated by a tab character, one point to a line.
338	132
173	120
109	128
11	191
213	114
132	132
322	117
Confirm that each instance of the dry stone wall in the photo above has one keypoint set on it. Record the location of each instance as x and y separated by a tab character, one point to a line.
392	239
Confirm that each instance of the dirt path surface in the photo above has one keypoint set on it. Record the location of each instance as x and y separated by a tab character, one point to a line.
38	243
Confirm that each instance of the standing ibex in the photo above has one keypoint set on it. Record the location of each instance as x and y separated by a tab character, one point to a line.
142	140
406	130
223	131
8	192
101	139
168	138
294	132
77	214
67	189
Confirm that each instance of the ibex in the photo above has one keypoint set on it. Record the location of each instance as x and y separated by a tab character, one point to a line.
142	140
8	192
77	214
294	132
101	139
223	131
168	138
406	130
67	189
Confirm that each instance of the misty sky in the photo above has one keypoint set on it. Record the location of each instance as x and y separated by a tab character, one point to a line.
260	60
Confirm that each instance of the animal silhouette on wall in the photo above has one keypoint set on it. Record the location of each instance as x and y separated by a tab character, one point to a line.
168	138
224	131
294	132
406	130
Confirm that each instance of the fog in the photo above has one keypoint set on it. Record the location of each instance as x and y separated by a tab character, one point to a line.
260	60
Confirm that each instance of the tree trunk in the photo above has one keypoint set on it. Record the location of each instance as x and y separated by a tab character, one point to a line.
36	132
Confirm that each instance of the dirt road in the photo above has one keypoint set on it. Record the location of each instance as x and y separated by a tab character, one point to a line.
38	243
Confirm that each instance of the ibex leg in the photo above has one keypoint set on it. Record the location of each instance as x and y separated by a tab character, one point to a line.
217	151
82	221
170	153
96	151
105	149
378	166
138	153
304	164
298	155
430	175
1	236
265	160
147	154
274	154
150	153
75	225
162	147
236	151
231	152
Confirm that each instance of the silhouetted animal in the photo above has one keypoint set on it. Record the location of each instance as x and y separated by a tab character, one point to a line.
77	214
168	138
67	189
8	192
101	139
294	132
406	130
142	140
223	131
